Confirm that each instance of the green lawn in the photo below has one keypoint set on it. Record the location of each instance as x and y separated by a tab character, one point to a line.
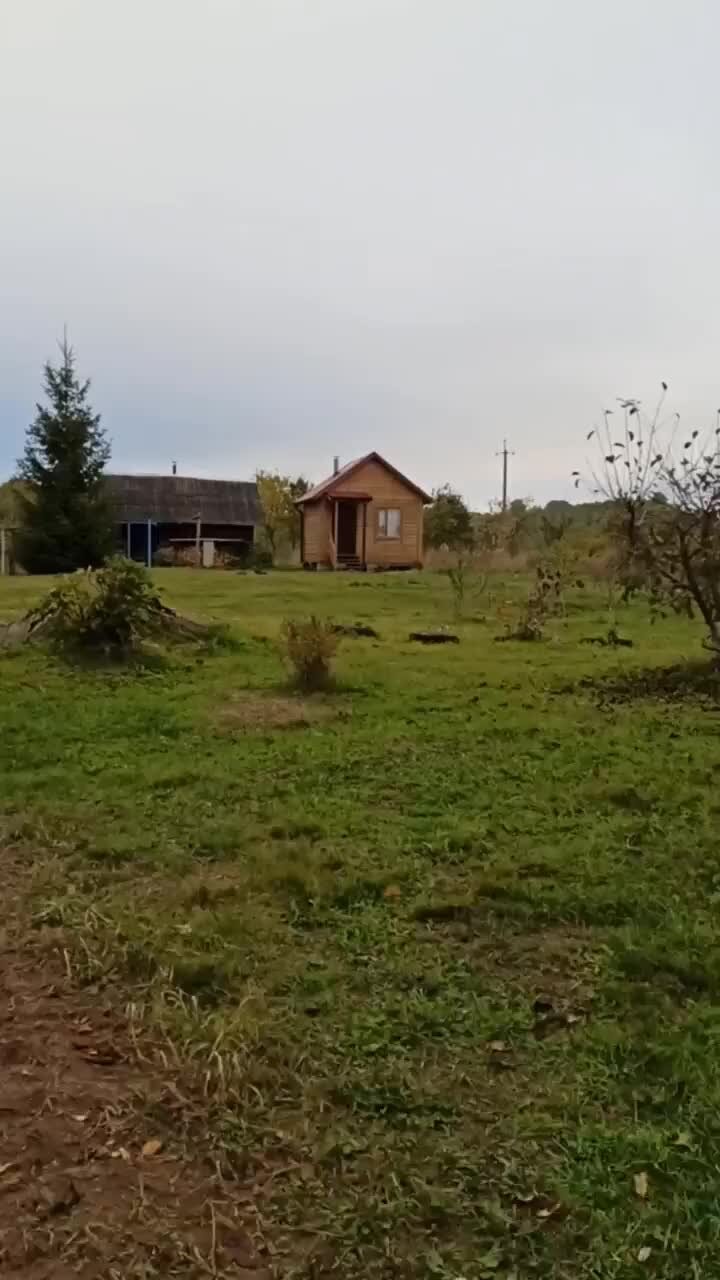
361	899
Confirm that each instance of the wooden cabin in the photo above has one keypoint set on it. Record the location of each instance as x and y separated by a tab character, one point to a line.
366	515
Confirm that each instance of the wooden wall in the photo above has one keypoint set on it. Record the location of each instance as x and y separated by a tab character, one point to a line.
316	544
390	492
387	492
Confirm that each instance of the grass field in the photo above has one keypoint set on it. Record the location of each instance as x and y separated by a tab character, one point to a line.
447	940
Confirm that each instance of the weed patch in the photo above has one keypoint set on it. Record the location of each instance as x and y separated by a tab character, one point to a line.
693	682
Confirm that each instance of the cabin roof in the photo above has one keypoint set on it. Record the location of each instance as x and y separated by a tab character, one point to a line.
326	487
181	499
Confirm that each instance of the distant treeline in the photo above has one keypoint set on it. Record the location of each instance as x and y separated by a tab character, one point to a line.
525	526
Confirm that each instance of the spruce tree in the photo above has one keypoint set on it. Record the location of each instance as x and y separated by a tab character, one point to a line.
67	519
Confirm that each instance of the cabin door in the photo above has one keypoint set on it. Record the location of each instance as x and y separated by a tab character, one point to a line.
347	529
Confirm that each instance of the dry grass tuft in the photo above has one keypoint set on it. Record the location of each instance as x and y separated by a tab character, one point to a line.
273	711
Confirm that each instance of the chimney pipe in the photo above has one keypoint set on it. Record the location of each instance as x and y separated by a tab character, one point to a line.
336	465
174	468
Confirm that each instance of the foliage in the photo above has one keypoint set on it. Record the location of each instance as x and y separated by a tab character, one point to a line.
527	528
448	521
108	611
311	645
281	519
258	558
66	516
665	491
543	600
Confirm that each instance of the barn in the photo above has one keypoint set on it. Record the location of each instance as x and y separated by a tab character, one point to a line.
184	519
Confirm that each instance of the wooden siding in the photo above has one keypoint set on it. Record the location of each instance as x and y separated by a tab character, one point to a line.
388	492
316	544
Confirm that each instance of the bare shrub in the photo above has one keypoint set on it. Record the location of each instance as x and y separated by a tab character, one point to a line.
544	600
468	580
665	490
310	646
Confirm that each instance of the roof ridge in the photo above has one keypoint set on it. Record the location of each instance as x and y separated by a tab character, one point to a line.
327	485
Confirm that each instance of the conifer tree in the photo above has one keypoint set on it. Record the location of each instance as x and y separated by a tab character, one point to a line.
66	515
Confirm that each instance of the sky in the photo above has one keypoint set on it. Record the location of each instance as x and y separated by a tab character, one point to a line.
281	230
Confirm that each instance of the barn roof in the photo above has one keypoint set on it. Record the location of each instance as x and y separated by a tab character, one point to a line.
326	487
180	499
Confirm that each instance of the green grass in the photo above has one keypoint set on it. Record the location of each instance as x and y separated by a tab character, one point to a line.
346	911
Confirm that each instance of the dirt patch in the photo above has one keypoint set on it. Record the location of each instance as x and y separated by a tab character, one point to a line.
104	1167
273	711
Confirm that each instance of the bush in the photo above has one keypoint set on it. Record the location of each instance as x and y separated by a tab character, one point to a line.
258	557
109	611
544	600
468	580
310	646
164	558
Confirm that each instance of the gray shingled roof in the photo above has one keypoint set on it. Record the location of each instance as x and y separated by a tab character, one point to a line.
176	499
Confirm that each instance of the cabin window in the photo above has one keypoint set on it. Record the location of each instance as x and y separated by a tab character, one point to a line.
388	522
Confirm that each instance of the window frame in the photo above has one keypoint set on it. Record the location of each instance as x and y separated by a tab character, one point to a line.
383	525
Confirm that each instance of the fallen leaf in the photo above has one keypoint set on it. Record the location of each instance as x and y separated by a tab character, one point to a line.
152	1146
549	1211
104	1055
540	1206
640	1182
644	1253
549	1024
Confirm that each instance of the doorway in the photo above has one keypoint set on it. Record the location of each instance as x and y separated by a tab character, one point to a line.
347	529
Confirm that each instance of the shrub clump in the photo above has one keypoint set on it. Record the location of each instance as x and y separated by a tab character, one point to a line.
543	601
108	612
310	645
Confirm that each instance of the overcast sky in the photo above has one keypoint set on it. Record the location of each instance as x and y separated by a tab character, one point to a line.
284	229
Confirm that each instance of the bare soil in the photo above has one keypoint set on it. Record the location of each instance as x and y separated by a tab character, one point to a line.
104	1171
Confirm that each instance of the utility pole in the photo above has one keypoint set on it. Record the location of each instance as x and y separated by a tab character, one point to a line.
505	453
